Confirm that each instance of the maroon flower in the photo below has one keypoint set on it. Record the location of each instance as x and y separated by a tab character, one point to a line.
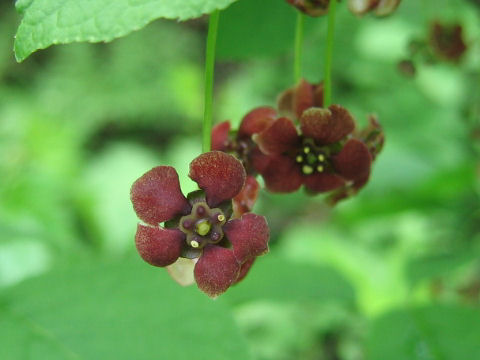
199	226
323	157
311	7
447	41
380	7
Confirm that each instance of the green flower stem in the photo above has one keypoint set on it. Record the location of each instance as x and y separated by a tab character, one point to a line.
297	64
209	78
327	95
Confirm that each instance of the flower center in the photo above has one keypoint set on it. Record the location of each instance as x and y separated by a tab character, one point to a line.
203	226
241	148
311	158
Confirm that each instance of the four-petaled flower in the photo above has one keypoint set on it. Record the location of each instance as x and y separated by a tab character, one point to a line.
199	226
323	156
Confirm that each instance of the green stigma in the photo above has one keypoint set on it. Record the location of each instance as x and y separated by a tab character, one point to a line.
307	169
203	227
311	159
194	244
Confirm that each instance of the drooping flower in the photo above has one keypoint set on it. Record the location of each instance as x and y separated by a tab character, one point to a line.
446	41
199	226
311	7
378	7
323	156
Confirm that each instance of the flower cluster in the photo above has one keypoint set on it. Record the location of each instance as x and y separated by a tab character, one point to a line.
324	153
199	226
211	229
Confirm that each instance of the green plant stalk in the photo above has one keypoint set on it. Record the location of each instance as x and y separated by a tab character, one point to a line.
209	79
327	95
298	56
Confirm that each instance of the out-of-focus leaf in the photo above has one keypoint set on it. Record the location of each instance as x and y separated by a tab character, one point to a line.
431	266
50	22
274	278
434	332
122	310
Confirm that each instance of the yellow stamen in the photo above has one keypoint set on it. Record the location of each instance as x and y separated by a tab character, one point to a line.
319	168
321	157
307	170
306	149
221	217
299	158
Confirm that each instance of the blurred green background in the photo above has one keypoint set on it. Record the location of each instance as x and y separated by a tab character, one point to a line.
393	273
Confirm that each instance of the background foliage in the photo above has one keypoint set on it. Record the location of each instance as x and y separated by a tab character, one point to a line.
391	274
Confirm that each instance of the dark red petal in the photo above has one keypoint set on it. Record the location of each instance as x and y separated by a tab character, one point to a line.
245	200
318	91
220	136
278	138
285	103
220	175
354	161
282	174
322	182
303	98
259	160
249	236
158	246
257	120
216	270
156	196
361	182
327	125
244	269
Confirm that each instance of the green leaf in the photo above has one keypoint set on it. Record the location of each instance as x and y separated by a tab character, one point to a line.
434	332
122	310
48	22
274	278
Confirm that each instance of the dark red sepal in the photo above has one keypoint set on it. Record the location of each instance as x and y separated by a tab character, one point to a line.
220	136
248	235
256	121
220	175
157	197
158	246
354	161
278	138
327	126
216	270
